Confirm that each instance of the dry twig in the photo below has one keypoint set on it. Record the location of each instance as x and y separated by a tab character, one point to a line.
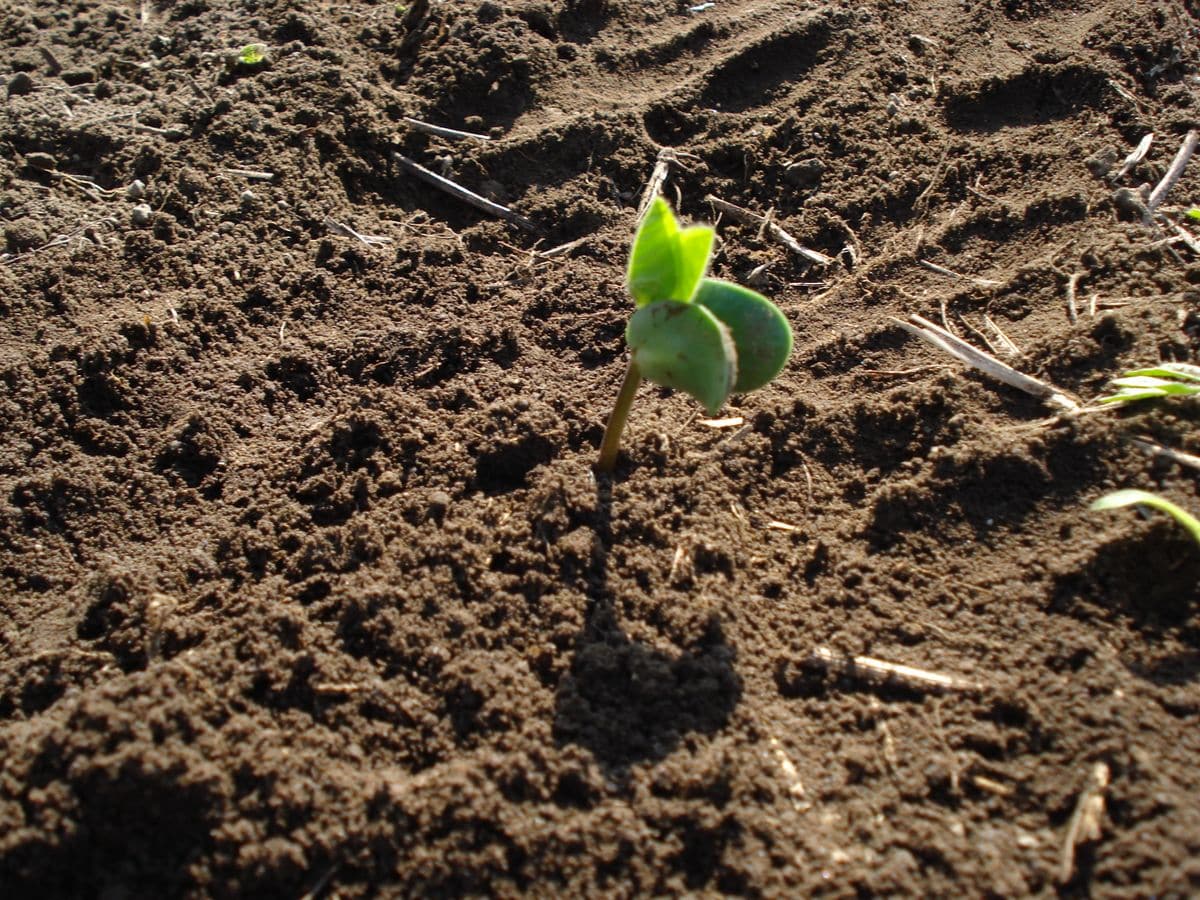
439	131
371	240
456	190
1007	344
1085	825
1178	164
1176	456
939	337
1138	154
662	168
1072	285
747	217
250	174
950	273
878	671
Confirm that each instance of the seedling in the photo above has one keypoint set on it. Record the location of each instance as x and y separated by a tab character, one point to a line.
252	55
1129	497
1167	380
706	337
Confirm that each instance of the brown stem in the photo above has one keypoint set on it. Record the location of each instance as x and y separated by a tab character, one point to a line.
616	420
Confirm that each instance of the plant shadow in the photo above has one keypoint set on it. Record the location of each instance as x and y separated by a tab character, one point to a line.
1152	580
627	702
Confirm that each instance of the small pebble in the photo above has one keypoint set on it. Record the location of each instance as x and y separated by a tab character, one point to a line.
439	502
247	197
804	173
1130	203
136	190
20	84
1101	162
141	215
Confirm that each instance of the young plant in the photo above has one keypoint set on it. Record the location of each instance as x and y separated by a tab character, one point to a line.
1166	380
703	336
1129	497
252	55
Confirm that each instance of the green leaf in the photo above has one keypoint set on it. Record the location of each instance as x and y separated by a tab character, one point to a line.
1140	381
760	331
253	55
1193	214
667	263
1131	496
695	251
1159	386
1169	370
1132	396
654	260
683	346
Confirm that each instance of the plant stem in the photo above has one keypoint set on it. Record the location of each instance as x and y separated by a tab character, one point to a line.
616	420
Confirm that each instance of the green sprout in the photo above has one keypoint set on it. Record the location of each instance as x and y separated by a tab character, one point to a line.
703	336
1166	380
1193	214
1131	496
252	55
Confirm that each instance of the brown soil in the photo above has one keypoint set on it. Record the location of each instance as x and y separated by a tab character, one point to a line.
307	585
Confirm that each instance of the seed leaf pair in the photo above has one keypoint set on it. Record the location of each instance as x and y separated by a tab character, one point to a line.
701	335
706	337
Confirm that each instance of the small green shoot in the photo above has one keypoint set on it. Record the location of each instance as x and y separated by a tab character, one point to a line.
252	55
1131	496
1167	380
1193	214
706	337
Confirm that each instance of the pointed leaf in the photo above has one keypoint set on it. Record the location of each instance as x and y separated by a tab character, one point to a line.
1140	381
695	251
1131	396
760	331
683	346
1162	504
1169	370
654	261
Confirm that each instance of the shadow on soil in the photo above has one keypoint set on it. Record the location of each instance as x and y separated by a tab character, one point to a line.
627	702
1114	578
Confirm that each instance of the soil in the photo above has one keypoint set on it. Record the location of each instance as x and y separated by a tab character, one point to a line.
307	587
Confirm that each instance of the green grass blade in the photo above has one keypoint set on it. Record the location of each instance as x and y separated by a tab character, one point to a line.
1131	396
1169	370
1133	496
1140	381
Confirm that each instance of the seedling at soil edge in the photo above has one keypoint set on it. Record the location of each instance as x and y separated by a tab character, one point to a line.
1166	380
703	336
1129	497
252	55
